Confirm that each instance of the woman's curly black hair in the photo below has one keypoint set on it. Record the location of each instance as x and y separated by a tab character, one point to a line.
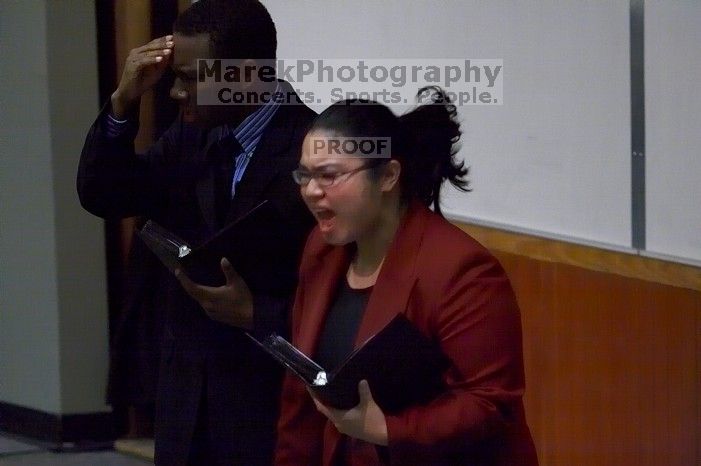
424	140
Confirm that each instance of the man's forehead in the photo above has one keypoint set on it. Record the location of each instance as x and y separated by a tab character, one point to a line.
188	49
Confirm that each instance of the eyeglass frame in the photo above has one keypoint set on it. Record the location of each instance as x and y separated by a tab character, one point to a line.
317	176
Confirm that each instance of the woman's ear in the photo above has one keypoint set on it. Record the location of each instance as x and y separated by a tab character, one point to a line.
390	175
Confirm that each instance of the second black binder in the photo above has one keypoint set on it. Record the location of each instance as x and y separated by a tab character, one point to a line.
402	366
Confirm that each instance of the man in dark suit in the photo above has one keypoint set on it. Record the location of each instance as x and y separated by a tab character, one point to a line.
218	395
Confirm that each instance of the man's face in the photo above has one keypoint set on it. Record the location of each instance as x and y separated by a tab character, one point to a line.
186	51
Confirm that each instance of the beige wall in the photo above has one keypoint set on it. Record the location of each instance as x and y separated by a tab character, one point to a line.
53	309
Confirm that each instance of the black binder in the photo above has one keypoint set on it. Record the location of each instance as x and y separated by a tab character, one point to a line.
402	366
254	244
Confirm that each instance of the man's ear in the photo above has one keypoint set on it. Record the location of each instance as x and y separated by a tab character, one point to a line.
249	73
390	175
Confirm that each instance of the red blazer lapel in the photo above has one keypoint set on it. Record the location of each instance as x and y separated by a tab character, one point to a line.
323	278
397	277
392	289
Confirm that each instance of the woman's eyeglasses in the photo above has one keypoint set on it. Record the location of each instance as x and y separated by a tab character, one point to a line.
327	179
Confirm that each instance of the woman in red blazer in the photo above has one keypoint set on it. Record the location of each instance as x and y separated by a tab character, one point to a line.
378	251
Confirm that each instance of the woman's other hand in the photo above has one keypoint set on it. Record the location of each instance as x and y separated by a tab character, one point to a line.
366	421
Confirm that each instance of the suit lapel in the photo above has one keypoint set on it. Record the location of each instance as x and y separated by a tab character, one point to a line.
205	186
260	171
262	168
265	163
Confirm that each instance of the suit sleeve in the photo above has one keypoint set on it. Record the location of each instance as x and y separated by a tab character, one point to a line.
270	315
477	322
113	181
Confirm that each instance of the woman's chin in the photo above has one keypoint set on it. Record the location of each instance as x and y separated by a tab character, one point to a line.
334	237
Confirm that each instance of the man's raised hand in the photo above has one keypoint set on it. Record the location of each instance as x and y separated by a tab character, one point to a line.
143	67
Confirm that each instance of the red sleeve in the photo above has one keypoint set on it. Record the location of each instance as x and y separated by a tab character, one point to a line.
477	321
300	428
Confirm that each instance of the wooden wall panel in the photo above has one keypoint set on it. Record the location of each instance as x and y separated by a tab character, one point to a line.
133	29
612	365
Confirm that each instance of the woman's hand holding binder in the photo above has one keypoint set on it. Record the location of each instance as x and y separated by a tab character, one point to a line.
366	421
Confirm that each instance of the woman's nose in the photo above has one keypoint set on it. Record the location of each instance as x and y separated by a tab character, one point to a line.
312	189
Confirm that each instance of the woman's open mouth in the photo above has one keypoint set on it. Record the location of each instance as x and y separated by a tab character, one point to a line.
325	218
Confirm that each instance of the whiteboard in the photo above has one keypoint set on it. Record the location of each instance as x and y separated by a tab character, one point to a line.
673	128
554	157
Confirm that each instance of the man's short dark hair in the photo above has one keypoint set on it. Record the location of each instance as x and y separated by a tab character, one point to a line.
237	28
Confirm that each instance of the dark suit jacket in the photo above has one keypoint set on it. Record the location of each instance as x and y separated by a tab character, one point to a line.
207	366
135	330
454	291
